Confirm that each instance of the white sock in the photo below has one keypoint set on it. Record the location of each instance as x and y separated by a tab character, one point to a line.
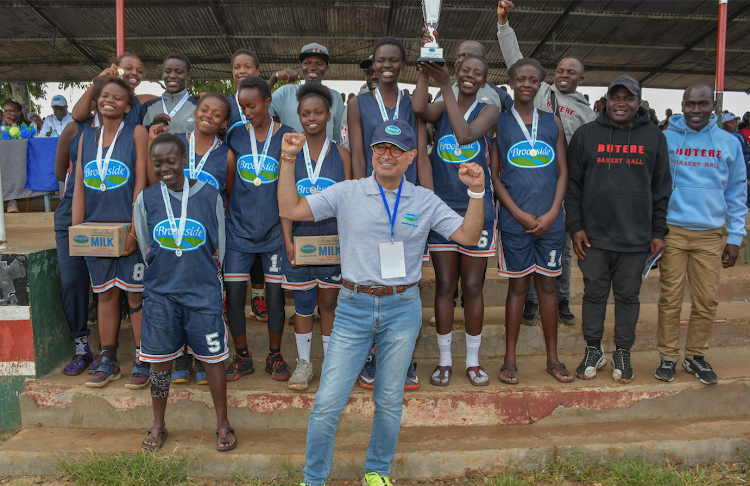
325	344
304	344
472	349
444	346
81	345
138	352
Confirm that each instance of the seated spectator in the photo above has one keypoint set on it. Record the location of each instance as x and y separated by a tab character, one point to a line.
53	125
34	117
13	113
744	127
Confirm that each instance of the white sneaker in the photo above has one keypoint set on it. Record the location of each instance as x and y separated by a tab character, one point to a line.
301	377
12	206
432	320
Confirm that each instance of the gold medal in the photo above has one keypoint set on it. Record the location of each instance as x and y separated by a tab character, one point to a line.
257	181
533	152
120	72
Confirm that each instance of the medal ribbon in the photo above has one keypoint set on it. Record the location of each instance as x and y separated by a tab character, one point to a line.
103	165
392	219
177	233
176	108
242	115
534	124
313	175
194	171
383	113
253	140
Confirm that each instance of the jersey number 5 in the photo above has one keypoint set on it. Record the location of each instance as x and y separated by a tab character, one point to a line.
213	344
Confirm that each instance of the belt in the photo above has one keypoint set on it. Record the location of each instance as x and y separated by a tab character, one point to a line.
377	291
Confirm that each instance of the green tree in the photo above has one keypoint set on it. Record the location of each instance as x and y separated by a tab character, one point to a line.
36	92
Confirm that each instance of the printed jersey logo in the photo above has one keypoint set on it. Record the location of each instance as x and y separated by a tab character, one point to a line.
411	219
81	239
206	177
520	155
269	169
447	150
307	249
194	237
304	185
392	130
118	174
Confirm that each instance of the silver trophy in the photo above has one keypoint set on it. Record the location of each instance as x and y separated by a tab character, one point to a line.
431	51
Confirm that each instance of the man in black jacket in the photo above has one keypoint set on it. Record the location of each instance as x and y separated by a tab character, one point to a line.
616	208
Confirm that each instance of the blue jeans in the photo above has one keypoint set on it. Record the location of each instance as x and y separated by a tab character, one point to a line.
392	323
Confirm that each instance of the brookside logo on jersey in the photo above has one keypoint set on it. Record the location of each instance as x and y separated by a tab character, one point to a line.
411	219
447	150
194	237
304	185
204	176
118	174
269	169
519	155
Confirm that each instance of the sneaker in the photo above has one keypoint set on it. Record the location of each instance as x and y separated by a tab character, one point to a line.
564	315
260	309
183	368
79	363
698	366
200	373
301	377
367	375
375	479
665	371
240	367
530	312
433	321
12	206
412	380
139	376
592	362
277	367
622	372
108	370
95	364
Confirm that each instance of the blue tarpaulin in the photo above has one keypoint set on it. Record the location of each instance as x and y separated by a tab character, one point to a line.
40	164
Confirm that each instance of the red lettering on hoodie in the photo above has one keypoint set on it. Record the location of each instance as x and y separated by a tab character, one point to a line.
698	152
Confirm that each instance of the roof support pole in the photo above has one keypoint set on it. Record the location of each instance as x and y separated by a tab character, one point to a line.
721	46
120	29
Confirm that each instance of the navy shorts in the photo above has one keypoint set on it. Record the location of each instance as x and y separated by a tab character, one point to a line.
326	280
522	254
168	326
237	265
125	272
485	248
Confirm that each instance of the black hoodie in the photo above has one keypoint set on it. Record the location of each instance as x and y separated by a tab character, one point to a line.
619	183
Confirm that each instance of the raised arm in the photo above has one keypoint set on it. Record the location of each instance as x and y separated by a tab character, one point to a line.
85	105
291	206
505	35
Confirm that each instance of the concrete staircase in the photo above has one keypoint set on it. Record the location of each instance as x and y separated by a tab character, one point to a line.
445	431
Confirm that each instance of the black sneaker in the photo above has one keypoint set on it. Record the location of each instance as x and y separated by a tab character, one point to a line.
183	368
278	368
665	371
530	312
592	362
698	366
622	371
564	315
240	367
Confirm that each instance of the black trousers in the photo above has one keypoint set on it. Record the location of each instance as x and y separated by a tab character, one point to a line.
622	272
74	287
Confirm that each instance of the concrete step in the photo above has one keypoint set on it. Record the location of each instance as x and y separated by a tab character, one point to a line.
732	328
422	452
258	403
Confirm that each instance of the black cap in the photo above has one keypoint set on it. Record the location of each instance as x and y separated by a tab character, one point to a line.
396	132
367	63
628	82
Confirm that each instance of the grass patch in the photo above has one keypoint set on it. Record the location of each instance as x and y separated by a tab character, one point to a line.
140	469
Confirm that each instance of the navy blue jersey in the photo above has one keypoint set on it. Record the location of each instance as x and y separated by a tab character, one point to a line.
134	115
371	118
235	120
530	180
214	172
253	224
194	279
331	173
70	177
445	165
115	204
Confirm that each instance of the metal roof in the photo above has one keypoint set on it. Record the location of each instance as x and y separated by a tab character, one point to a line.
665	43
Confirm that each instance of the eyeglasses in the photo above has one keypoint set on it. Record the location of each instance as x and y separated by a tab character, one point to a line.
369	71
382	147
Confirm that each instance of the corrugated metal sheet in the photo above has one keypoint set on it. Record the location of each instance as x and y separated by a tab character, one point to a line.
611	37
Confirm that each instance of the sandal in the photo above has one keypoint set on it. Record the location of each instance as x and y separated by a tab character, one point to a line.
512	375
222	443
443	378
563	372
479	373
154	433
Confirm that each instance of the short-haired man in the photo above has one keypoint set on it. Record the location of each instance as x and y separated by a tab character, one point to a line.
709	190
616	210
574	110
383	223
313	60
54	124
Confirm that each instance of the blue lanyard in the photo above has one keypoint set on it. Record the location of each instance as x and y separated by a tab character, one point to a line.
392	219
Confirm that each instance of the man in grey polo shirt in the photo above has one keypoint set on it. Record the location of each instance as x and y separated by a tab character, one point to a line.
381	262
313	61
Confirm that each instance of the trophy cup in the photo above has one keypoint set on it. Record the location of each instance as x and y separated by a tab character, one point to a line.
431	51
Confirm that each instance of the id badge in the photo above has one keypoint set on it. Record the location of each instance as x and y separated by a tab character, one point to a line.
392	264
